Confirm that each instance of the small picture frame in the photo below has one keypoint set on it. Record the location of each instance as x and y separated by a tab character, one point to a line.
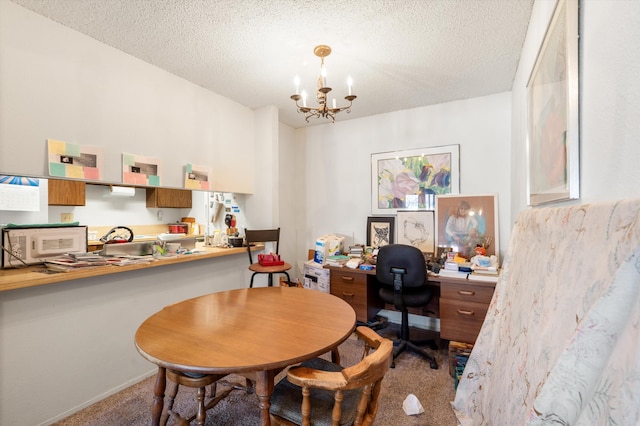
416	228
380	231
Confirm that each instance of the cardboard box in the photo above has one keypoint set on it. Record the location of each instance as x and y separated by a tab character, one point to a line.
316	277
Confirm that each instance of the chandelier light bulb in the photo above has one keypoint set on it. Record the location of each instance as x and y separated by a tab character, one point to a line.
296	81
304	98
349	83
323	73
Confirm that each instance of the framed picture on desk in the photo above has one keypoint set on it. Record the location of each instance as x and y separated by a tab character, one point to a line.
380	231
468	221
416	228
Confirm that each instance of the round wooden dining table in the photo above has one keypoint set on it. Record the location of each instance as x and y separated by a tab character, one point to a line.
252	330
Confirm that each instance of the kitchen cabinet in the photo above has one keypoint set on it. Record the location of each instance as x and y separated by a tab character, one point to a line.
463	307
66	192
169	198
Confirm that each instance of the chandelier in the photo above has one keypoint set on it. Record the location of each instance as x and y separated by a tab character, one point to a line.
322	110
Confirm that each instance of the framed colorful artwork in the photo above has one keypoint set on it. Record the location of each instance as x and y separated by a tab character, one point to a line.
380	231
467	221
141	170
416	228
552	111
411	179
196	177
70	160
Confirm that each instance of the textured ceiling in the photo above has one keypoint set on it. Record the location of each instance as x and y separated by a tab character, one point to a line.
400	53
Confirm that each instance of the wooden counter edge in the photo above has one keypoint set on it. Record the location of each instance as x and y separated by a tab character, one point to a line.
32	276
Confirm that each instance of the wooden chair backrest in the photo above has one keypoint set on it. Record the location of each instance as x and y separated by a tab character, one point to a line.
367	374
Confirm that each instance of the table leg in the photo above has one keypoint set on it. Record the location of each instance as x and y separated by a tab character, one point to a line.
264	389
158	396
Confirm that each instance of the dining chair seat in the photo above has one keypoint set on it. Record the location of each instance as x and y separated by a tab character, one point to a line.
323	393
200	382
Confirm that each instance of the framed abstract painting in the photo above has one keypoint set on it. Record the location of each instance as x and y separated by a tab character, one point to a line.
411	179
553	111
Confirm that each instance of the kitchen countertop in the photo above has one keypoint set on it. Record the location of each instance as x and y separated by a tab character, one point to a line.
11	279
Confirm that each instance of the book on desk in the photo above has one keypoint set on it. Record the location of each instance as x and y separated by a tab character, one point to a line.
474	275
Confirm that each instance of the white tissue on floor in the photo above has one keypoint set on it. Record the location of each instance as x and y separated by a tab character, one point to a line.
411	405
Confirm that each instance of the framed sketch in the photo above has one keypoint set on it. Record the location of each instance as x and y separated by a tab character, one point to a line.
552	111
411	179
467	221
416	228
380	231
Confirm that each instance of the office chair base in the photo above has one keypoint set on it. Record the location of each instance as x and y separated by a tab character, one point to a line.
402	345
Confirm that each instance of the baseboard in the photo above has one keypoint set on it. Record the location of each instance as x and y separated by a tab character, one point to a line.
100	397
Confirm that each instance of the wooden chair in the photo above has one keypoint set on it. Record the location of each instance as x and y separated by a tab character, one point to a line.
200	382
321	392
265	236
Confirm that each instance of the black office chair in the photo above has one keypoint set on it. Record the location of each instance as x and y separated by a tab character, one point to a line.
254	236
401	270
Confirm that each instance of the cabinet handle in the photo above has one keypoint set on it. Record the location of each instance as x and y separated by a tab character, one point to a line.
347	278
461	312
466	292
347	294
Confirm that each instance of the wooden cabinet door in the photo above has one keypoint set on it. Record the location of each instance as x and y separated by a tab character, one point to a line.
66	193
168	198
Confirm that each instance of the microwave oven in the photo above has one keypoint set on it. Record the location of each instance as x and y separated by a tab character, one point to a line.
32	245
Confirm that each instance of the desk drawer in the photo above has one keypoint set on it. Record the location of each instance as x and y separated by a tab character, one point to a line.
461	320
352	288
466	292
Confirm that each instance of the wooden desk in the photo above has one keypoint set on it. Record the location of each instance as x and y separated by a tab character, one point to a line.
258	330
460	304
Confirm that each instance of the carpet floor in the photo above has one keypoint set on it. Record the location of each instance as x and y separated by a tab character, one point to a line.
411	375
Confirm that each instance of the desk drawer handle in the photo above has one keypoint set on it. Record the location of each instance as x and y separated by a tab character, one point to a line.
347	278
461	312
466	292
347	294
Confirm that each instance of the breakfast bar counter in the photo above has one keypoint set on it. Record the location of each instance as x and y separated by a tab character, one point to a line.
37	275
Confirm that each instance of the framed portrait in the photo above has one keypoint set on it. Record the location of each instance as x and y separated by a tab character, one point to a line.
411	179
553	111
467	221
380	231
416	228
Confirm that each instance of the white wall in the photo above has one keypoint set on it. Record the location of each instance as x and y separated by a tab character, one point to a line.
64	346
337	157
56	83
609	101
